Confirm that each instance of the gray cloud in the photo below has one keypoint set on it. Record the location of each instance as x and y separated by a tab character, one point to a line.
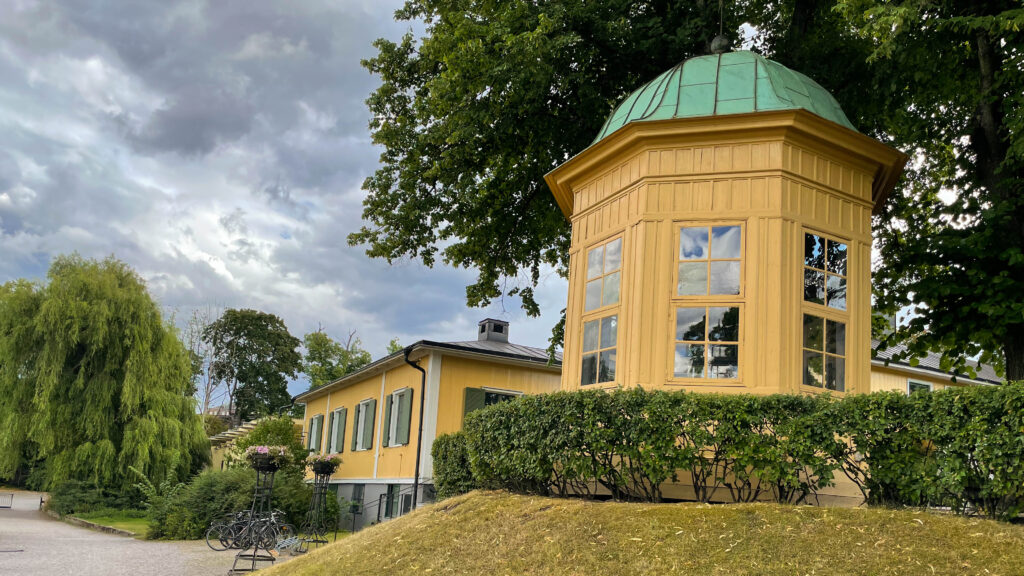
218	147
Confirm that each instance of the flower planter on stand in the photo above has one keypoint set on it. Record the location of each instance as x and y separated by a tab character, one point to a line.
258	536
315	527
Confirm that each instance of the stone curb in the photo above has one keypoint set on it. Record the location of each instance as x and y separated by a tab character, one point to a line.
91	525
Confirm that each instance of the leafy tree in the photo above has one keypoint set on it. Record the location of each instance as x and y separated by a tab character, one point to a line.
394	346
214	425
952	237
494	96
93	379
273	431
327	360
254	354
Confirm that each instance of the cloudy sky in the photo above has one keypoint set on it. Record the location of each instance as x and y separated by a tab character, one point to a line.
218	147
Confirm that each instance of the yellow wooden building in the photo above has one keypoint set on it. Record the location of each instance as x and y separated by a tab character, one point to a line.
371	417
721	236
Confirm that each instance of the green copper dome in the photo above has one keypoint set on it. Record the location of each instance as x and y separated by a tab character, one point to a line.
719	84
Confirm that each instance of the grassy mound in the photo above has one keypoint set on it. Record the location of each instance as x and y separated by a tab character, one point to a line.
499	533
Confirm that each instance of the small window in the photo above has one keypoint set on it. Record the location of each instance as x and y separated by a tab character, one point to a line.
499	329
363	422
491	398
709	260
336	431
599	342
824	353
707	342
604	265
397	418
316	426
824	271
913	386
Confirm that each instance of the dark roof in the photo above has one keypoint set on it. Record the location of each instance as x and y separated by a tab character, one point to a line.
931	363
505	350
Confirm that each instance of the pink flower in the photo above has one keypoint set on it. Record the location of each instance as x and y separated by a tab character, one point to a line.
263	450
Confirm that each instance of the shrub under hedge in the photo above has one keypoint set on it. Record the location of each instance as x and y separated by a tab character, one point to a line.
961	447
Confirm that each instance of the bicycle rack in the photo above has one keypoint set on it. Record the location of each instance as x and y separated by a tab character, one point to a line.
315	526
257	550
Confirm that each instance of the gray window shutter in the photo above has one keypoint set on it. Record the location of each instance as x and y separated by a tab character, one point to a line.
355	422
371	416
474	401
404	417
330	432
339	429
385	426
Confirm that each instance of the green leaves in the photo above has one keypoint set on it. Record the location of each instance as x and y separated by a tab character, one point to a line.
92	382
254	352
959	447
326	360
494	96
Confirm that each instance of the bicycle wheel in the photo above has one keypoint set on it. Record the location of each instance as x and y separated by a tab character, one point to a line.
215	536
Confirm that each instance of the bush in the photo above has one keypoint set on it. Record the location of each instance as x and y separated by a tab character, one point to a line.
960	447
75	497
184	512
273	431
452	475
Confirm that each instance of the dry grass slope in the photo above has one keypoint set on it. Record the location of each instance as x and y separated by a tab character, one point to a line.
499	533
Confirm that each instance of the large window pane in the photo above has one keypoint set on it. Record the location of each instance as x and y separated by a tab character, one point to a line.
606	373
814	251
690	324
725	277
814	286
590	335
595	260
813	332
613	255
836	292
693	278
723	361
837	258
611	289
813	369
835	373
589	371
593	297
724	324
689	361
835	337
725	242
693	244
609	331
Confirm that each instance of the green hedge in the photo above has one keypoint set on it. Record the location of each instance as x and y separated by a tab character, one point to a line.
185	511
452	475
961	447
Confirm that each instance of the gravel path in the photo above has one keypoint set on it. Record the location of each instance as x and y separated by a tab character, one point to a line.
35	544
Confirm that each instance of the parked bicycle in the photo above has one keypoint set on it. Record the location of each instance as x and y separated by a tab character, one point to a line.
240	531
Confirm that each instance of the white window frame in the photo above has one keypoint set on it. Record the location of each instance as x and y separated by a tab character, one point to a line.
931	387
396	400
332	447
360	421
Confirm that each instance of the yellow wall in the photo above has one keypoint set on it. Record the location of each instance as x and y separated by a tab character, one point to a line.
887	379
457	374
645	184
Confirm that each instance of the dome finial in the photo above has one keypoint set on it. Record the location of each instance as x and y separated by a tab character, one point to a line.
721	44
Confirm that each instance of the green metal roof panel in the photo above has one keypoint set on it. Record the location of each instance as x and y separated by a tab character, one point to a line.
718	84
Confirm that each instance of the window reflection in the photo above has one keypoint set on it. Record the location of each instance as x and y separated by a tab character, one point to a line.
824	353
824	271
709	260
603	278
707	342
599	345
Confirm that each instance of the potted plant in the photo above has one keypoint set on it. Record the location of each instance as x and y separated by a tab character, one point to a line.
323	463
267	458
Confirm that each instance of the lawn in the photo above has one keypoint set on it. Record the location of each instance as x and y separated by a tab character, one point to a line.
500	533
130	520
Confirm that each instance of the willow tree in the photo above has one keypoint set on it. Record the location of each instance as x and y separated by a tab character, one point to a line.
93	379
